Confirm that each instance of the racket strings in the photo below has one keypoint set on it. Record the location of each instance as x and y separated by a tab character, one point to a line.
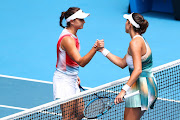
95	108
98	107
109	102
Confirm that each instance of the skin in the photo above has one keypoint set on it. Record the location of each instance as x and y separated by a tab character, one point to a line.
136	49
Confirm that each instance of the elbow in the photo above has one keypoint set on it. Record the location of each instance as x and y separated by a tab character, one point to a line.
139	71
122	64
82	65
123	67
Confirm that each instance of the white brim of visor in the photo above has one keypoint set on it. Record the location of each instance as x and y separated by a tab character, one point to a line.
79	14
131	20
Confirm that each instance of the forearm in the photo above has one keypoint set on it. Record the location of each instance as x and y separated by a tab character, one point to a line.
116	60
134	76
113	58
86	59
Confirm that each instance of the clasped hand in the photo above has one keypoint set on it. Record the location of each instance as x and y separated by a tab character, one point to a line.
99	44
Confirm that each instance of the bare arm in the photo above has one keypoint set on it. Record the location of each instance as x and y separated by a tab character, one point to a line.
135	49
69	45
121	62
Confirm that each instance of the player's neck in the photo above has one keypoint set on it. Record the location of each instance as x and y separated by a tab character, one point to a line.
132	34
72	30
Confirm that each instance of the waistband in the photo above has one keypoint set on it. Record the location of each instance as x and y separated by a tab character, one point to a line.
67	72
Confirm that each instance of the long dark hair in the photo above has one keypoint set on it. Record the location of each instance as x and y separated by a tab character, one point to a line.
139	19
66	14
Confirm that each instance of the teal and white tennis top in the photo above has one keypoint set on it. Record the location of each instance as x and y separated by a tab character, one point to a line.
146	83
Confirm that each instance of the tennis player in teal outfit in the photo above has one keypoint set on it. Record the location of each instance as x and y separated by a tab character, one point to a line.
139	61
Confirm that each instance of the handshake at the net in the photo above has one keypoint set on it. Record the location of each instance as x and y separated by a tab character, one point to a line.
99	44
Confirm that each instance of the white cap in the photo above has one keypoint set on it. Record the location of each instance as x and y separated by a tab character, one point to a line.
79	14
130	18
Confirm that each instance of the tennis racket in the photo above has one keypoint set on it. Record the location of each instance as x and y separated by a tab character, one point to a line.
101	105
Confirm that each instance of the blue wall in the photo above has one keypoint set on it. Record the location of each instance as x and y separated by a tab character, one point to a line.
162	6
141	6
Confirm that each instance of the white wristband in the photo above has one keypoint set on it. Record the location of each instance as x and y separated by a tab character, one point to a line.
126	87
105	52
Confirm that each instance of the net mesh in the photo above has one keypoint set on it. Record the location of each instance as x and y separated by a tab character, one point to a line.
167	105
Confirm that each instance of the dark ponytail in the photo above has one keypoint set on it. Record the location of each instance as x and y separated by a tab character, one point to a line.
139	19
61	19
66	14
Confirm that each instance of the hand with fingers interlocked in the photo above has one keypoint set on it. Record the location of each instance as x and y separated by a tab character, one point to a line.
100	44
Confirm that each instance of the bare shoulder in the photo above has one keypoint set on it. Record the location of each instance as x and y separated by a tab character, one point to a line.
136	42
68	40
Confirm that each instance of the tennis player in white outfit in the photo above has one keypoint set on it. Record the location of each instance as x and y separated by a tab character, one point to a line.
66	80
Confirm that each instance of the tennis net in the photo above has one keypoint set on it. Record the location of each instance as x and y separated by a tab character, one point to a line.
167	105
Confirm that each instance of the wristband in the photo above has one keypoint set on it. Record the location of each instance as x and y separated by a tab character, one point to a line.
126	87
105	52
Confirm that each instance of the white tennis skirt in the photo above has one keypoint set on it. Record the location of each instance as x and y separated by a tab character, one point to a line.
64	85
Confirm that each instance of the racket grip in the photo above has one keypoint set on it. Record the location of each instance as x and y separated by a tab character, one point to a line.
131	94
81	87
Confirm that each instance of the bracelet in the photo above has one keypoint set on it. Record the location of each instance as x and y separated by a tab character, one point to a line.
95	46
126	87
105	52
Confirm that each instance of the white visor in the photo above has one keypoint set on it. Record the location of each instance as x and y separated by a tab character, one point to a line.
79	14
130	18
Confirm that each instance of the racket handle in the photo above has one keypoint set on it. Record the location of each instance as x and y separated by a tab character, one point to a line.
81	87
131	94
